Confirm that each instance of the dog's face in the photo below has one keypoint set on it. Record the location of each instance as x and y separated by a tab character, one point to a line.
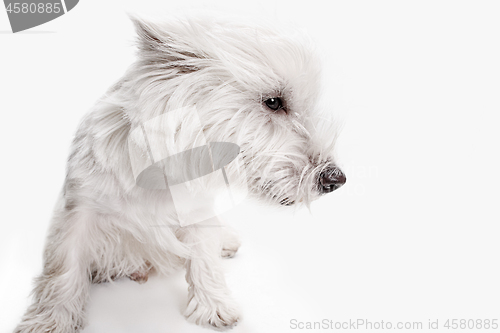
250	87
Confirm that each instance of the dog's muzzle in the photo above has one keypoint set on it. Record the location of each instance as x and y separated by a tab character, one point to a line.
330	179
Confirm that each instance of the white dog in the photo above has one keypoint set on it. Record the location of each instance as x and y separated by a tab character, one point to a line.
199	83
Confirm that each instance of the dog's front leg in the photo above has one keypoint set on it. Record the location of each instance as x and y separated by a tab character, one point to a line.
209	300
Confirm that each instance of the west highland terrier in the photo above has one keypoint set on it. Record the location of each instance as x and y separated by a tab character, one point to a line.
208	108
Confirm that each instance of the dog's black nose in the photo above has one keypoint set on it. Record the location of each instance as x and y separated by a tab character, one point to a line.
331	179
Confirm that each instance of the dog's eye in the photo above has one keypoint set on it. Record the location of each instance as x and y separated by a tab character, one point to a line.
274	103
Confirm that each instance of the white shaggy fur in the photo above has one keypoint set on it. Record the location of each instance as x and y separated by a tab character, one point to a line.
106	227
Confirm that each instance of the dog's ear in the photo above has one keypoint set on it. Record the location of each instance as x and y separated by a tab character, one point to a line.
150	38
158	44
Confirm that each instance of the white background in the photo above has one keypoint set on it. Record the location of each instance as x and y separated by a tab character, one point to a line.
413	236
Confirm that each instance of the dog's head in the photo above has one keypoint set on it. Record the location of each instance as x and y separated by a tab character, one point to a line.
251	87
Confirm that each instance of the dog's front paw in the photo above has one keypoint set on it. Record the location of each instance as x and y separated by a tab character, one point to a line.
141	275
229	252
41	318
230	245
209	313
